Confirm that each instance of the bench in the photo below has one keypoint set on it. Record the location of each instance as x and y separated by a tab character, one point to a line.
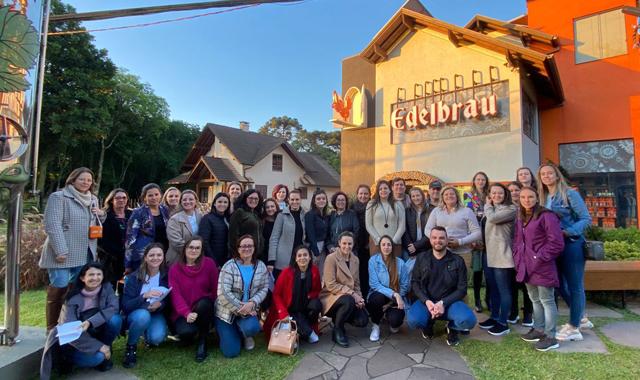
612	275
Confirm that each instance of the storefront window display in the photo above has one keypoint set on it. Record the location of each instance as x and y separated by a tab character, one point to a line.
604	172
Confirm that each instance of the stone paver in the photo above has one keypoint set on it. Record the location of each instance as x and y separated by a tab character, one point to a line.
402	374
336	361
416	357
356	369
387	360
593	310
634	307
442	356
590	344
624	333
91	374
310	366
437	374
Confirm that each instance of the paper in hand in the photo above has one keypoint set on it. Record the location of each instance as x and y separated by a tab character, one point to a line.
165	292
68	332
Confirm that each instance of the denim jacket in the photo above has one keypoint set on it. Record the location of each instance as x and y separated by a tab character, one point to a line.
379	277
140	233
574	216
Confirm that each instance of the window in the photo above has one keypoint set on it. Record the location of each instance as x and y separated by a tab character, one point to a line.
203	197
529	118
600	36
276	162
303	192
262	189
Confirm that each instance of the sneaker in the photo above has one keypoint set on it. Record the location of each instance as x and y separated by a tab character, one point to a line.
499	329
174	338
313	337
527	321
567	333
375	333
547	343
532	336
427	332
489	323
513	320
249	344
585	323
394	330
452	337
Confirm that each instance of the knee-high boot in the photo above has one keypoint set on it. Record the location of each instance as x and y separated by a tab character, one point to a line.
55	300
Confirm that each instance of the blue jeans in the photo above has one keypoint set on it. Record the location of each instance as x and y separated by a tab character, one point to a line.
231	334
571	274
152	325
545	311
499	284
458	314
62	277
106	336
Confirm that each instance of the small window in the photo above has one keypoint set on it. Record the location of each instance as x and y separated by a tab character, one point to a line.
276	162
203	197
262	189
303	192
600	36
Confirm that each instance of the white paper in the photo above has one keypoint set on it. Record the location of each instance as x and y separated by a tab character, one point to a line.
68	332
165	292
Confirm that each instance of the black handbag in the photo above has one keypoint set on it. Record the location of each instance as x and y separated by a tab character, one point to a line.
593	250
86	314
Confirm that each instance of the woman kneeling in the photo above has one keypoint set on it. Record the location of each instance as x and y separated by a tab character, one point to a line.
244	282
144	300
296	295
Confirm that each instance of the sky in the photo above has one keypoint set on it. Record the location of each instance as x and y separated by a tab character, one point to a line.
255	63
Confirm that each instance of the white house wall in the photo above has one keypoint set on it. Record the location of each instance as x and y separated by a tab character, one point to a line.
262	174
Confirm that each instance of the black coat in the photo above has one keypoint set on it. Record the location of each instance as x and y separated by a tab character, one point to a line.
111	245
347	221
131	298
411	232
316	228
362	240
214	230
453	284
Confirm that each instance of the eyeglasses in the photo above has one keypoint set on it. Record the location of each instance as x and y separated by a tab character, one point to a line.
246	246
194	248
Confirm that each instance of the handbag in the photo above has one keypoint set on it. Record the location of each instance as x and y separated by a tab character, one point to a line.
593	250
284	337
95	232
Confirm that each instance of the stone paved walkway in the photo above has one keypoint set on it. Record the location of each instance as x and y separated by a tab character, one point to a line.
401	356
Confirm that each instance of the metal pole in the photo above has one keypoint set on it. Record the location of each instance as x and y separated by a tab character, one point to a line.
12	279
40	86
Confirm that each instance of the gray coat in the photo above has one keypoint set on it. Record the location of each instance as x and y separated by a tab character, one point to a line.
499	235
281	241
66	222
178	232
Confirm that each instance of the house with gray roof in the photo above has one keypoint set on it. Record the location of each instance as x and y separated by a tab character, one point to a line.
224	154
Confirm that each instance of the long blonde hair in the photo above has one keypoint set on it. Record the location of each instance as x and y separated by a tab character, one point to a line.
561	185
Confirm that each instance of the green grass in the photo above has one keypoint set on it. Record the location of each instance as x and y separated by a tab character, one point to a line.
172	361
511	359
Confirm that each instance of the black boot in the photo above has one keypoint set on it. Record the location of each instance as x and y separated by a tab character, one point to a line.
130	356
105	366
201	351
340	337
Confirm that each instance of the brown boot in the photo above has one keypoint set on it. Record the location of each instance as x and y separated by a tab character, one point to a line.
55	299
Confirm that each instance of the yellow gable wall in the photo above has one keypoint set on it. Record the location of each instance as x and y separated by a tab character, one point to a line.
426	55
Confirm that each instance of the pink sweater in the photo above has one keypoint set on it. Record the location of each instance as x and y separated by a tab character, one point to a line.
190	284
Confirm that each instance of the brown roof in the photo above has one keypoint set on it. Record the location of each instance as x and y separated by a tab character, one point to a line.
319	171
541	66
526	35
178	180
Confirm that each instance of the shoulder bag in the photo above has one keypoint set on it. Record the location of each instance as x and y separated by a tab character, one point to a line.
284	337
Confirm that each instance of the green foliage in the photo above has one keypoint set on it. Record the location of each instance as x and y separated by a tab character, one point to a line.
284	127
621	251
18	49
619	243
631	235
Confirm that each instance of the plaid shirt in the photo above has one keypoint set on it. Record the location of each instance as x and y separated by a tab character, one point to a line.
231	289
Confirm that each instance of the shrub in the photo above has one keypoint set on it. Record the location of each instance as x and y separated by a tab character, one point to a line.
631	235
32	240
621	251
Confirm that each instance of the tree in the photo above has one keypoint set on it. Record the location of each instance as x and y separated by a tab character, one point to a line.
284	127
324	144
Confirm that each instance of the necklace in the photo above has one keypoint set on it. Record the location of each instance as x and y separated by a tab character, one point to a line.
386	216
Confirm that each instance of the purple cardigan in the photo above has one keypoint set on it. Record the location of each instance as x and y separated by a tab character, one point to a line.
536	245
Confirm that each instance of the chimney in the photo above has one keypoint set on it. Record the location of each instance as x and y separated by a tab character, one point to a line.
244	125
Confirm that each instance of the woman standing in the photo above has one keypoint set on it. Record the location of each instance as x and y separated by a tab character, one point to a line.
567	203
288	233
537	243
193	281
234	189
269	215
183	225
243	285
414	240
341	219
280	194
389	283
524	176
214	229
500	214
385	216
363	196
341	297
296	295
147	224
527	308
171	200
114	235
316	225
246	219
67	217
475	201
143	302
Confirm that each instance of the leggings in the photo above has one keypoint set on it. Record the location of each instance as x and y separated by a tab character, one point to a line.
188	331
375	305
344	310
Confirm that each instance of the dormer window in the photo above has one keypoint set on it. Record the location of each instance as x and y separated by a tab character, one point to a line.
276	162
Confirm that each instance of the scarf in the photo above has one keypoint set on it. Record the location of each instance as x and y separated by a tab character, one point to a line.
90	298
84	198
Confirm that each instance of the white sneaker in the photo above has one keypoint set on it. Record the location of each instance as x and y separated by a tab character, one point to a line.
568	333
313	337
249	344
375	333
394	330
585	323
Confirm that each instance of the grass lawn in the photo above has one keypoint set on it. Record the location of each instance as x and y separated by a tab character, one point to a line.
510	359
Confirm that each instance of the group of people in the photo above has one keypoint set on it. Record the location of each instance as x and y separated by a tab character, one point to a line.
250	262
